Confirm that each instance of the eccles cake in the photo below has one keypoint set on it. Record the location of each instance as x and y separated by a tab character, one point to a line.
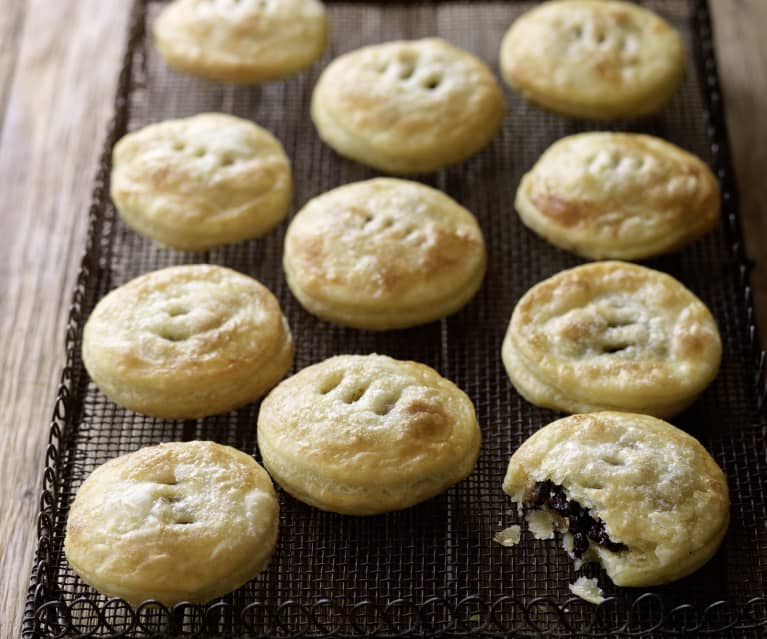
410	106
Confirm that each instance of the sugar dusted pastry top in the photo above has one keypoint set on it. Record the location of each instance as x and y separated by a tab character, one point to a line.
598	59
242	41
187	341
174	522
619	195
611	335
656	489
384	253
199	182
363	434
408	106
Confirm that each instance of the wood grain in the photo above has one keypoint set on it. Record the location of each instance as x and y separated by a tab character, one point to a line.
58	66
60	76
739	26
11	24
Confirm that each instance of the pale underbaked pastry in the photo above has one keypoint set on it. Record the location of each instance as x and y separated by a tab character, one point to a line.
618	195
600	59
201	182
408	106
634	493
611	335
241	41
366	434
176	522
187	341
384	253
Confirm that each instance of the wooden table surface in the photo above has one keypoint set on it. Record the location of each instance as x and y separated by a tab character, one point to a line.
58	66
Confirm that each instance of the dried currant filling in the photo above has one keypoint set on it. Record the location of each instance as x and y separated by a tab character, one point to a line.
580	523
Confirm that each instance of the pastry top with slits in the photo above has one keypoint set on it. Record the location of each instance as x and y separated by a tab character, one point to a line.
174	522
593	58
408	106
187	341
611	335
384	253
199	182
364	434
618	195
241	41
656	490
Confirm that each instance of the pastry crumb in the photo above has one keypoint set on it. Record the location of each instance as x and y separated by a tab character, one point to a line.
588	590
540	523
508	536
578	562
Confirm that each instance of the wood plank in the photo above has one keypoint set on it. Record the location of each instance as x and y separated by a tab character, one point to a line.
11	25
739	27
60	99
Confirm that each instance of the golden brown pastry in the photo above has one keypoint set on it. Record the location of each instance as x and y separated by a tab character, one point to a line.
241	41
384	254
187	341
643	498
176	522
618	195
200	182
600	59
409	106
611	336
361	435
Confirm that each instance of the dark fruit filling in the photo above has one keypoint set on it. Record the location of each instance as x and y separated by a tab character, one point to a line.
579	522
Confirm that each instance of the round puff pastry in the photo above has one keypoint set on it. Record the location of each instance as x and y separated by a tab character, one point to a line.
176	522
618	195
187	341
200	182
611	335
384	253
650	491
242	41
408	106
600	59
361	435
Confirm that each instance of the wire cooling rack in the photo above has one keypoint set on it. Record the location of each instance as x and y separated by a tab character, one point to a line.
433	569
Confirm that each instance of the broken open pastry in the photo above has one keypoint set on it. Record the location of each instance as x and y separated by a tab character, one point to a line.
640	496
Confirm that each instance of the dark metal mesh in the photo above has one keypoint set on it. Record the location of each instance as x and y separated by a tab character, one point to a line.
433	568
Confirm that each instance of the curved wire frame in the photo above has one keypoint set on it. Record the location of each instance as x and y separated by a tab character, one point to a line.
434	617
